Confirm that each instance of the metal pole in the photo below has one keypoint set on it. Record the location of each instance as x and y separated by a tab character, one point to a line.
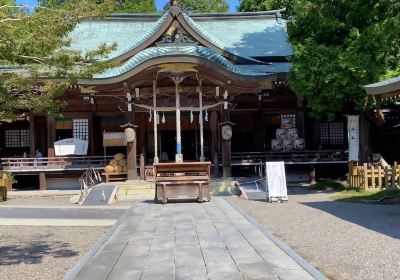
202	159
155	121
178	156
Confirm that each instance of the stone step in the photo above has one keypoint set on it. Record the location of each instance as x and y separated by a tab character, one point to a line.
135	190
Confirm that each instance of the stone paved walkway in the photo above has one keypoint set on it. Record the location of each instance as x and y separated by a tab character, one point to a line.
189	241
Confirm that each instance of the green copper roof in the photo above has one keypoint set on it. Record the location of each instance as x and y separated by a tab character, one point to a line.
257	35
173	50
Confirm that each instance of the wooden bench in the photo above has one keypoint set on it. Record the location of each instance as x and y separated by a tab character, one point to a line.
187	180
115	176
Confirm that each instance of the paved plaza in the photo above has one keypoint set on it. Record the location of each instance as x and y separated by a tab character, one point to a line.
188	241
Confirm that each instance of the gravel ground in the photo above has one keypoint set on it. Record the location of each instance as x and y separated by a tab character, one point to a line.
342	240
38	200
43	252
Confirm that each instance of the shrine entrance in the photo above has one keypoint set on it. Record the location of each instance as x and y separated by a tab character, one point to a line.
190	145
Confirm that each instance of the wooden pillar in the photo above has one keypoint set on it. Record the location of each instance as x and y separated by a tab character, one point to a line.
51	136
365	149
259	139
131	144
215	143
32	144
42	181
156	160
91	134
178	155
300	118
202	159
226	141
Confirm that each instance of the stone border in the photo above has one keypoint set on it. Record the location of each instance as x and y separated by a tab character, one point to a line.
316	274
73	272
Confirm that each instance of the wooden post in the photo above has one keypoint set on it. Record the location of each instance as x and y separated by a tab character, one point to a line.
131	145
393	181
156	160
259	139
300	118
51	136
365	173
202	159
32	144
142	168
178	155
91	133
364	138
215	143
226	144
373	177
386	169
380	177
312	177
42	181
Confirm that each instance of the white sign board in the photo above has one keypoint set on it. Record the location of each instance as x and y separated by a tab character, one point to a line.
276	181
353	129
71	146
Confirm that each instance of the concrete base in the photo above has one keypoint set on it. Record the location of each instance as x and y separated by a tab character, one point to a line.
178	158
223	187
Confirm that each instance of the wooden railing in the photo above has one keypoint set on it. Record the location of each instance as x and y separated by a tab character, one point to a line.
50	163
291	157
371	178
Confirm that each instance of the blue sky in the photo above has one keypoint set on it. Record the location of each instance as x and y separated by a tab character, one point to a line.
160	3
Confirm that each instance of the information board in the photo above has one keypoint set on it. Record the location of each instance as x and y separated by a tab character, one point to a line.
276	181
353	128
71	146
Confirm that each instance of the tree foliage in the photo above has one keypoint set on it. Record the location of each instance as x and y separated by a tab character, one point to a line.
118	6
206	6
265	5
339	46
34	49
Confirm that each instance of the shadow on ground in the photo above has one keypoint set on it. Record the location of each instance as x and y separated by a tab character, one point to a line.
33	252
384	219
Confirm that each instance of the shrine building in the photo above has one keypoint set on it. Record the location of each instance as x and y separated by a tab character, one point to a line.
191	87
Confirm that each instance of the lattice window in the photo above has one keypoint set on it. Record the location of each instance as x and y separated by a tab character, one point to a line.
16	138
81	129
332	133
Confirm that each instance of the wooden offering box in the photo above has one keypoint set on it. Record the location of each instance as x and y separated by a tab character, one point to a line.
187	180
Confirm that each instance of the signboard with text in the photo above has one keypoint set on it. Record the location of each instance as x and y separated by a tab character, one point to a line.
276	181
353	128
71	146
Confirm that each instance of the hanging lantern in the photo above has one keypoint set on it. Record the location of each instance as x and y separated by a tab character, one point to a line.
150	116
191	116
158	118
163	120
206	116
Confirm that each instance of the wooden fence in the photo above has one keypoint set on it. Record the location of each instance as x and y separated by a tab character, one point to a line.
372	178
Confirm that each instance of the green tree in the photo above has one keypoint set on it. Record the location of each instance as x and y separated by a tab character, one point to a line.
206	6
265	5
34	47
339	46
119	6
135	6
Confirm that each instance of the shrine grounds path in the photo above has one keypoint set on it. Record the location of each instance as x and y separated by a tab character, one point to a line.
342	240
190	241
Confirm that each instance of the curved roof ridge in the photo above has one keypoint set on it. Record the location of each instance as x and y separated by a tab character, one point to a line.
155	52
198	15
143	38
